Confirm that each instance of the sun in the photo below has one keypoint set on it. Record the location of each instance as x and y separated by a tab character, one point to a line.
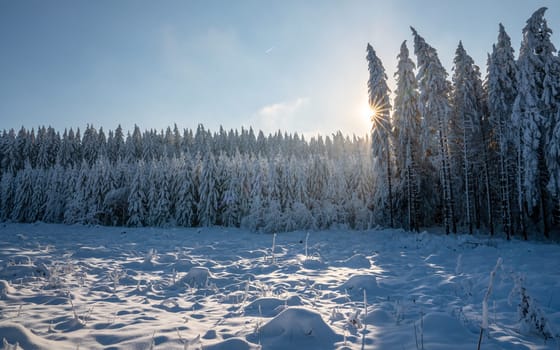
367	112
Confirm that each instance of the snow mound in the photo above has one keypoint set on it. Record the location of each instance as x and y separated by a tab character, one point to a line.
270	307
15	333
86	252
297	328
6	288
438	323
358	283
379	317
231	344
357	261
196	277
314	264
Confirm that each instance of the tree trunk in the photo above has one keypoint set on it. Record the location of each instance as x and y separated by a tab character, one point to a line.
543	203
467	178
448	205
409	197
487	181
504	193
520	192
389	183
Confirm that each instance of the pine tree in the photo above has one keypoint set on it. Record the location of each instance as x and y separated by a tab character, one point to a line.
502	89
77	207
435	110
47	144
9	152
119	144
152	189
162	214
90	145
23	149
134	145
101	144
137	198
23	194
467	120
551	105
98	185
378	96
56	195
184	208
254	220
36	210
208	195
6	196
64	154
42	158
230	200
406	123
245	174
115	203
553	164
532	116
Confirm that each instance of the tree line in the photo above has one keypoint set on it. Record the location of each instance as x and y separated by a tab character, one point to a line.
470	153
279	182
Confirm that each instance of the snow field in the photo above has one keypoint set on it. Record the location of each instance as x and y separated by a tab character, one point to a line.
70	287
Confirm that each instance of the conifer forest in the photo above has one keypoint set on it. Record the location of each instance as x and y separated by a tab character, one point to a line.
465	150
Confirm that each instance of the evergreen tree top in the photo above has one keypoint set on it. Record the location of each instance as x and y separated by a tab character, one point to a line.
426	54
502	50
536	36
378	90
503	37
405	71
462	58
432	76
501	79
379	101
404	54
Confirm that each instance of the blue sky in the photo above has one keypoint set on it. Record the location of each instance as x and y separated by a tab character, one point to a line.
298	66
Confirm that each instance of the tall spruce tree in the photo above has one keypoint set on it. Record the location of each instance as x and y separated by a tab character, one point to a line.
467	122
406	128
551	105
532	115
501	84
435	110
379	101
553	146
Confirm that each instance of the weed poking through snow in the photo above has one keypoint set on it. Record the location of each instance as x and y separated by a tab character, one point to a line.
484	324
419	344
273	248
8	346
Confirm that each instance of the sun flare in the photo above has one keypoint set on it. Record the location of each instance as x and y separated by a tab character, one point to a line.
367	112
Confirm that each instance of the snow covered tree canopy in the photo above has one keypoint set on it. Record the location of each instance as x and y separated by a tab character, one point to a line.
478	148
189	178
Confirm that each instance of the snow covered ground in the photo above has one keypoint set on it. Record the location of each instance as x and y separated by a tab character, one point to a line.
75	287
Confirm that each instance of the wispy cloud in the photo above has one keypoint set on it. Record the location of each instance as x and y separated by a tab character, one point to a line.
281	115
